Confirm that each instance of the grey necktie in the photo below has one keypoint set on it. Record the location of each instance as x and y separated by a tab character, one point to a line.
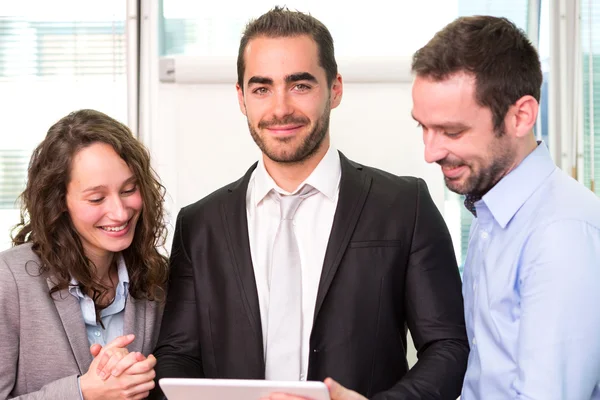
283	357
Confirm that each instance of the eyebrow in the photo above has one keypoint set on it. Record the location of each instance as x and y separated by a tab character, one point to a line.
261	80
445	125
100	187
299	76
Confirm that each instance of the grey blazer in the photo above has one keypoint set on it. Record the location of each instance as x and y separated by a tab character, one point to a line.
43	340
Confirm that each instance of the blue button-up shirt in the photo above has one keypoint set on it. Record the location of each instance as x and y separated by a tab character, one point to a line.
112	316
531	288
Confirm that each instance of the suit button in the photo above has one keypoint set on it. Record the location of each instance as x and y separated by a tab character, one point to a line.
315	350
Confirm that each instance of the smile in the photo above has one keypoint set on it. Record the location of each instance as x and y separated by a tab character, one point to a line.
284	130
115	228
454	171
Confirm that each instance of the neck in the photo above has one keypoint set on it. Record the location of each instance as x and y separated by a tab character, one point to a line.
289	176
105	266
526	148
521	151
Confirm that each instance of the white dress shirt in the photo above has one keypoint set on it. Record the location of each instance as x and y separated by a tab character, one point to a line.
312	225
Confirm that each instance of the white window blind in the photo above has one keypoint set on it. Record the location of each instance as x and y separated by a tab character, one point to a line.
55	57
590	42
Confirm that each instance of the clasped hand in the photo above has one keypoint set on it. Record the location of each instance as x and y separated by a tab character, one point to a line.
115	373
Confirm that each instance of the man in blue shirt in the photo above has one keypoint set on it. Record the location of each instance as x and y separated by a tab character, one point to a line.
532	276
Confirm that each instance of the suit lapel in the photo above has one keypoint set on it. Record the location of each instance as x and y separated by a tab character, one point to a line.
354	187
135	322
235	220
69	311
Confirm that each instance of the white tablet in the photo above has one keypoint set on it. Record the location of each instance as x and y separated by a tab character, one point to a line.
238	389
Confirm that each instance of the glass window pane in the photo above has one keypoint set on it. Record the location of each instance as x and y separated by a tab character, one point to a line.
55	57
393	28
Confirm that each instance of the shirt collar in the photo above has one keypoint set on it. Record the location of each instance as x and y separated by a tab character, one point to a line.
122	273
513	190
325	178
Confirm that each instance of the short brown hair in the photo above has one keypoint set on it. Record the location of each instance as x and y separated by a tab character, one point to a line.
45	221
281	22
495	51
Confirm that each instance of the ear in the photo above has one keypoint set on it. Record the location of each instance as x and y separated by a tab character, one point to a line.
522	116
337	90
241	101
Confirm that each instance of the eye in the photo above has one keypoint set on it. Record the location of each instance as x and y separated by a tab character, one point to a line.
96	201
260	90
453	134
130	191
301	87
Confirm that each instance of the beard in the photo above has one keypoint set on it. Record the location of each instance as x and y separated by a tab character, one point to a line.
480	180
281	151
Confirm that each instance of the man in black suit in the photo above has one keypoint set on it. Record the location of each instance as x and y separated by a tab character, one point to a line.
253	295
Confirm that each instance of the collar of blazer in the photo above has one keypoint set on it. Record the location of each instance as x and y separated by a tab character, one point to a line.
354	188
69	311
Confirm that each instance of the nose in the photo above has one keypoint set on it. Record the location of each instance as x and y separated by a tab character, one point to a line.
117	210
434	146
282	104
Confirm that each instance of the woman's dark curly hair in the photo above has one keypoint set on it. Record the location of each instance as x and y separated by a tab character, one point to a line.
45	220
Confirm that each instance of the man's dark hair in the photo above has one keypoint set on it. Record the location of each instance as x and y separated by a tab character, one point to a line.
281	22
495	51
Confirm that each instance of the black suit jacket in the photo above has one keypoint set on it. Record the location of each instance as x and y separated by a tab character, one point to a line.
389	266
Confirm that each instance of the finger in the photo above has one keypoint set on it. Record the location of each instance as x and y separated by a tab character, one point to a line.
339	392
142	367
133	384
140	396
102	368
142	388
121	341
95	350
102	360
110	365
336	391
126	362
283	396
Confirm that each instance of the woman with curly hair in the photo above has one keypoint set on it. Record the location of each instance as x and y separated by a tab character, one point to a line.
86	276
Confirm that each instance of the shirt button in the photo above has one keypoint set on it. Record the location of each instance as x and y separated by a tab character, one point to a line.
484	235
474	287
97	333
474	341
302	377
